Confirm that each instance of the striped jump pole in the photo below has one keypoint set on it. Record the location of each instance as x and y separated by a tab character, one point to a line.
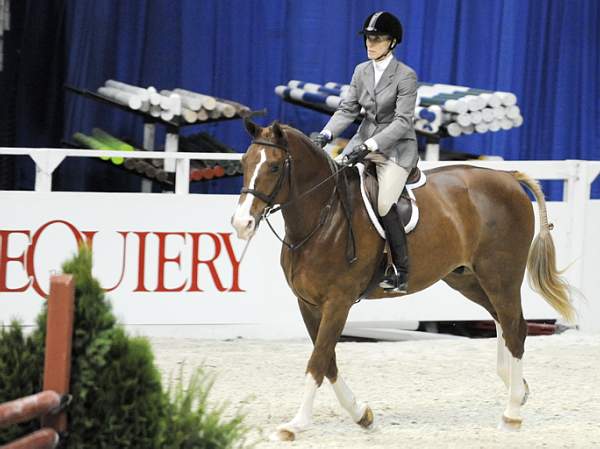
330	101
313	87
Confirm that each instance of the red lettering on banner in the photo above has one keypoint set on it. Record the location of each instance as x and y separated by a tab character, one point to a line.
235	264
202	254
89	238
210	263
5	259
163	260
31	251
141	262
123	262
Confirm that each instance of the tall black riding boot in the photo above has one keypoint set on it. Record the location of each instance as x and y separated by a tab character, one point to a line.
396	277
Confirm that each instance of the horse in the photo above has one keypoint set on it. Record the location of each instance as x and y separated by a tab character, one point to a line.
475	233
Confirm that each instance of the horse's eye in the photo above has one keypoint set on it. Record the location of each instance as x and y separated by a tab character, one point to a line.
274	168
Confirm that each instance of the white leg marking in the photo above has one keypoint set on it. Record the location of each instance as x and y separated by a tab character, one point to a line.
516	389
347	399
241	217
303	418
502	361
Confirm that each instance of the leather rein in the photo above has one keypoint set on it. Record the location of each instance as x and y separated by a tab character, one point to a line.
270	198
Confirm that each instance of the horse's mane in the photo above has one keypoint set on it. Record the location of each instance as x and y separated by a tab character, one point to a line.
304	139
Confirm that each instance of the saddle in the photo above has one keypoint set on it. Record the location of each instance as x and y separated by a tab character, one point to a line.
406	204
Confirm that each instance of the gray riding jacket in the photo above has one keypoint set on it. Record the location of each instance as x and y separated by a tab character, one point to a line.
389	111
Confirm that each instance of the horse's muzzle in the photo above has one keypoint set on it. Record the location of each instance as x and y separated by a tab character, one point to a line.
244	225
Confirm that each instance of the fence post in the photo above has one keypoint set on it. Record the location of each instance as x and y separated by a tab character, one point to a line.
46	162
578	195
149	139
182	176
171	144
57	362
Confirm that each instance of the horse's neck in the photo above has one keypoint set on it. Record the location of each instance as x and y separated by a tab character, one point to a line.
309	168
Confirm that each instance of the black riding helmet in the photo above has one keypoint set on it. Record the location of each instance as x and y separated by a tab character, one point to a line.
382	23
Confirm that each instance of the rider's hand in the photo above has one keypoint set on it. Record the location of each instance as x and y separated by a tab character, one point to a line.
321	140
357	154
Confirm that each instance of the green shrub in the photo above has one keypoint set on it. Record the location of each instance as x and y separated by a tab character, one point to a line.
118	399
21	366
192	424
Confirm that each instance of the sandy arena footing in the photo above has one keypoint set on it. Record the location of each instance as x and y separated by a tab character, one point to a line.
426	394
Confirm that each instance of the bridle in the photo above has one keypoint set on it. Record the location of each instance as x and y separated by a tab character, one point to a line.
270	198
286	167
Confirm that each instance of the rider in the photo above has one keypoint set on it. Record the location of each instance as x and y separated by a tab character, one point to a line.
387	90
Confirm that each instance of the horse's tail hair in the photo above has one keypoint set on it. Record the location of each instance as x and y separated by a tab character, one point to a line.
542	274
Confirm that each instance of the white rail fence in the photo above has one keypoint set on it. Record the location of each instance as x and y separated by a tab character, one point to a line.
577	175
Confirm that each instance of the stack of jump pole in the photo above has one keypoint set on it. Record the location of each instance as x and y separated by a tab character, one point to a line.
204	142
102	140
153	169
4	26
187	106
455	110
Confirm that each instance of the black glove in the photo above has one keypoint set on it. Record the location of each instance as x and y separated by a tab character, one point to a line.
357	154
320	140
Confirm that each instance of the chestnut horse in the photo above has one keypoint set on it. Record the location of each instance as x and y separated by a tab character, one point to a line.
475	233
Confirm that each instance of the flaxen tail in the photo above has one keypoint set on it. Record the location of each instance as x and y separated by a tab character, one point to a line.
543	275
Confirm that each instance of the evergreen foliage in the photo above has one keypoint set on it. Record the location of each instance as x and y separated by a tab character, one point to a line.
118	399
21	366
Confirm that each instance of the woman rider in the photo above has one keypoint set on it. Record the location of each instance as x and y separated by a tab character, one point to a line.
387	90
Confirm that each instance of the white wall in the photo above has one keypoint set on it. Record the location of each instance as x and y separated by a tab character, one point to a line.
265	308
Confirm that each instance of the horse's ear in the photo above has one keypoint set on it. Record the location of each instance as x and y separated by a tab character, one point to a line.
252	128
278	131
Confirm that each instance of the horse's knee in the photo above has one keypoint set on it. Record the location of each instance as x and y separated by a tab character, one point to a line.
318	367
332	371
515	340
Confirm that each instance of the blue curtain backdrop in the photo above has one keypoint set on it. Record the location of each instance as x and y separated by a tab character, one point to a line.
545	51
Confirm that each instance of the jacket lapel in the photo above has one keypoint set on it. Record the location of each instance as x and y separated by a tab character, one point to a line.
387	75
369	77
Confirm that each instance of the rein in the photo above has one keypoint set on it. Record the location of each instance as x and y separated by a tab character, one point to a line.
268	199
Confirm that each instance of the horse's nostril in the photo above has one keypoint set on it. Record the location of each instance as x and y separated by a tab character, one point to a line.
250	224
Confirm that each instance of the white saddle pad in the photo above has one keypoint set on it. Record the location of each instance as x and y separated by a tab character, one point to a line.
414	218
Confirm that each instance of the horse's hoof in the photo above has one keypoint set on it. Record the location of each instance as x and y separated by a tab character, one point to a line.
283	435
367	418
526	395
510	424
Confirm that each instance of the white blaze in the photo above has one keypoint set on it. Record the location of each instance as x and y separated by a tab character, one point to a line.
242	216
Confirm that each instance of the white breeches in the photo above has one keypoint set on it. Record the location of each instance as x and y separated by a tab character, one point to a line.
391	178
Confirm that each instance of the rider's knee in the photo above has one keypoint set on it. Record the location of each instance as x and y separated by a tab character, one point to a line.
384	205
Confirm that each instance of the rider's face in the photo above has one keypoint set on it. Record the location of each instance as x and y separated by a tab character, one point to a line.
378	46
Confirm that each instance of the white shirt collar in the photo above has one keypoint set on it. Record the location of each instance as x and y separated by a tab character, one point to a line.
380	66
